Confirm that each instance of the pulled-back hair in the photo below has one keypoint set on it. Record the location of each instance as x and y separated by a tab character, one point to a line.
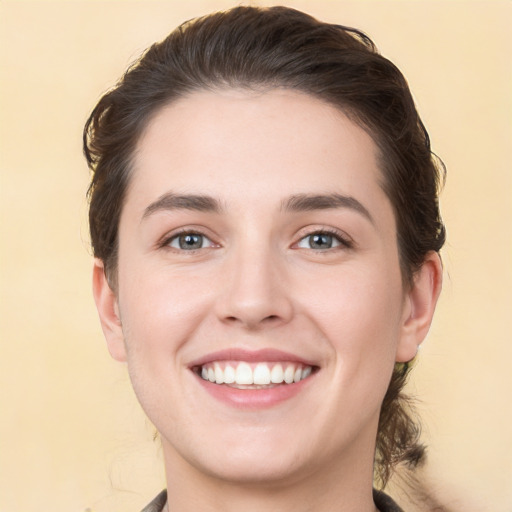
264	49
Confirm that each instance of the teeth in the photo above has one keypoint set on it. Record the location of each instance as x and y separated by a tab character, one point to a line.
243	374
229	374
289	374
219	374
306	372
277	375
261	374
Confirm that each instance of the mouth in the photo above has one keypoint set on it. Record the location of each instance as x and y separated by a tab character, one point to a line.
247	375
253	379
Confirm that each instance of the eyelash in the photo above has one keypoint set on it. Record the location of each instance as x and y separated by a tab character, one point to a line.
342	239
166	242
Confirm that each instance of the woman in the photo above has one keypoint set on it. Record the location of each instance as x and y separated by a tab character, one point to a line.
264	217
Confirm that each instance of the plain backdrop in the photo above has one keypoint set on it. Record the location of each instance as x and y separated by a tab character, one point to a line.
72	436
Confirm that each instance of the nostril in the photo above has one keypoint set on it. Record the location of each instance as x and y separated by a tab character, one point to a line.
270	319
266	310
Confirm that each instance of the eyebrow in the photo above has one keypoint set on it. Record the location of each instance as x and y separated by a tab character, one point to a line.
295	203
171	201
310	202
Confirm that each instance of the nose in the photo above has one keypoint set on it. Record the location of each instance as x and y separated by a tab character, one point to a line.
255	293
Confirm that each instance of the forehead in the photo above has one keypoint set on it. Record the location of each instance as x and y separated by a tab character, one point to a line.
260	145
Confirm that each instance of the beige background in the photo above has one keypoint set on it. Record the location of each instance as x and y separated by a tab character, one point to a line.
71	433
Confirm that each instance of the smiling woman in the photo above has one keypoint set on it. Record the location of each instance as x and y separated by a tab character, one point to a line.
264	216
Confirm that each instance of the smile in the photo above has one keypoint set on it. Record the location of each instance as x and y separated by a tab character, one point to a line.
253	379
246	375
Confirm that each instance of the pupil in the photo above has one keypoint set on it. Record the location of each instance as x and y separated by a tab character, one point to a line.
321	241
190	241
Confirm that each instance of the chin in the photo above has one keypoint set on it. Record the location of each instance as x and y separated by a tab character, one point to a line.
253	468
262	457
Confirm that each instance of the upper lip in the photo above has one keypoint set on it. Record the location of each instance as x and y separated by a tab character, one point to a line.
268	355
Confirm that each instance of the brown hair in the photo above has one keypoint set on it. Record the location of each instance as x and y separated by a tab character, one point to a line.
279	47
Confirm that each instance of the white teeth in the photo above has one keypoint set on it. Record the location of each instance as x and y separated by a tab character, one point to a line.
243	374
219	374
277	375
229	374
289	374
306	372
261	374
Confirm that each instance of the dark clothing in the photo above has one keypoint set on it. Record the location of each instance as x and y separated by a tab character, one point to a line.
382	501
157	504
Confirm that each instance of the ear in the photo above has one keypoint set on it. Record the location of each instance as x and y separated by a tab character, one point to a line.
420	303
108	310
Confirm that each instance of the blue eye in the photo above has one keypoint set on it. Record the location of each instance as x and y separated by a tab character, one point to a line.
320	241
189	241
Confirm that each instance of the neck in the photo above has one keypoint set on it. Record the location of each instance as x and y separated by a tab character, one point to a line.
339	486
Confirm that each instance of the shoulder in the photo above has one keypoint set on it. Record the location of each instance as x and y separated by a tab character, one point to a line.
384	503
157	504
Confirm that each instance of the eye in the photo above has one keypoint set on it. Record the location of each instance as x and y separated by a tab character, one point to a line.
322	241
189	241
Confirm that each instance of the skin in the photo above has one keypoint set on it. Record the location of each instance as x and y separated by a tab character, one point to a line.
258	283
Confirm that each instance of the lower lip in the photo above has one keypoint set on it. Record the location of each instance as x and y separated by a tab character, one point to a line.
254	398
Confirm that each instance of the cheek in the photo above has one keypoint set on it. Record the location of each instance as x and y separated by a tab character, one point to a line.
159	315
160	308
359	314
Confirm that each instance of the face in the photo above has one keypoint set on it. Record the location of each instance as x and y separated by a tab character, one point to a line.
260	305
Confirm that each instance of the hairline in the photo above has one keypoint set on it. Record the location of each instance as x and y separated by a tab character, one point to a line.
261	87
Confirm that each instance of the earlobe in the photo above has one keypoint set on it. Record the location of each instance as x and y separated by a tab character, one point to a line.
108	310
419	309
